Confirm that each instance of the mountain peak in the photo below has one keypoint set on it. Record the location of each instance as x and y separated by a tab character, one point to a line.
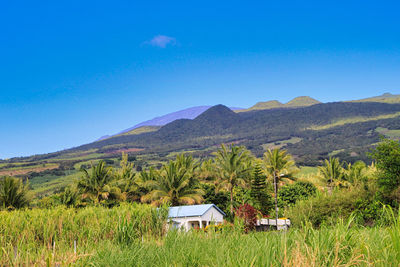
268	104
302	101
218	114
219	110
387	95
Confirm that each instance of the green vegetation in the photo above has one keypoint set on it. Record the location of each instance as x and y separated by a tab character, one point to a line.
392	134
344	130
353	120
13	193
233	166
175	184
143	129
101	217
41	236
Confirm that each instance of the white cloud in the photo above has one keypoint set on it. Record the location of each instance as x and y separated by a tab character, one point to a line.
161	41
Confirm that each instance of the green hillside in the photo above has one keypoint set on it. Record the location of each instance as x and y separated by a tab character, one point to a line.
301	101
311	133
265	105
140	130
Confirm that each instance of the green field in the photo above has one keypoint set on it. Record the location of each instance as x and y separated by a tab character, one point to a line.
281	144
352	120
135	235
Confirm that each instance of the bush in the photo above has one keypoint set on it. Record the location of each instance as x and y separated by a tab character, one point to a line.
329	208
249	216
290	194
13	193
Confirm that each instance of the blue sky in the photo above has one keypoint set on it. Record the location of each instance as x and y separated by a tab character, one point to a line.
72	71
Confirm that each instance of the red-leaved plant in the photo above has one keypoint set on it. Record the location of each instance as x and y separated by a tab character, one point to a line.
249	216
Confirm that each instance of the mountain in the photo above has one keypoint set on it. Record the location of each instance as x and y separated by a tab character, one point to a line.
310	133
301	101
266	105
189	113
384	98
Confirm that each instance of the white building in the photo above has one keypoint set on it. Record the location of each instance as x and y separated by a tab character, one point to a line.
265	224
195	216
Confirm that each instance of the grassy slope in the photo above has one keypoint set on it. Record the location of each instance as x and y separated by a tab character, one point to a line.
353	120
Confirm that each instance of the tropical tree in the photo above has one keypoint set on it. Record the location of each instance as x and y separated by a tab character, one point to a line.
13	193
96	186
175	184
233	168
355	173
206	171
127	179
70	197
261	199
331	172
279	165
387	158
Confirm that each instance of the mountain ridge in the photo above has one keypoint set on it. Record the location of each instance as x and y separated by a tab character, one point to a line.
300	101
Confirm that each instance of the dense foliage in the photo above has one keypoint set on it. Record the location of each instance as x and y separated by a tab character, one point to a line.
387	156
288	195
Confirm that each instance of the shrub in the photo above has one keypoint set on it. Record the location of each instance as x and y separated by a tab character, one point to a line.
249	216
365	206
290	194
13	193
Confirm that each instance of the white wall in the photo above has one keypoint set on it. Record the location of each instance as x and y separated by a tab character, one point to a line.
212	215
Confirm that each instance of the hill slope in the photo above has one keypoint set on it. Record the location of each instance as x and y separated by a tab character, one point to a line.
321	129
301	101
385	98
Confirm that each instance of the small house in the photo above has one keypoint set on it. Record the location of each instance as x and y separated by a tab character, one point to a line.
195	216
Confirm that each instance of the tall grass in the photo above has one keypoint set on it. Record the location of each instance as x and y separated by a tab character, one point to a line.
33	235
133	235
327	246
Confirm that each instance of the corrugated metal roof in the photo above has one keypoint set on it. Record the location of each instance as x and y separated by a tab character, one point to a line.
191	210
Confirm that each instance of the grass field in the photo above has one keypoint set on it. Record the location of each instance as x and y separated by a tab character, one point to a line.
353	120
281	144
19	170
392	134
43	187
134	235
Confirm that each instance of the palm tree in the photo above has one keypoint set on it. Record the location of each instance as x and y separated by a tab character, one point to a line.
233	168
13	193
96	184
127	180
279	165
355	173
70	197
331	172
175	184
206	171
